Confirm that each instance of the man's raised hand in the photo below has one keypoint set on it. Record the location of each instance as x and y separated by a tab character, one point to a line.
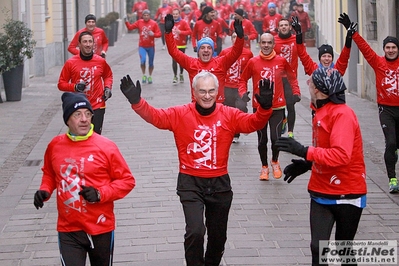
132	92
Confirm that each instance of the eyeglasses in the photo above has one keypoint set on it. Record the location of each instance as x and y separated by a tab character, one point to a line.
211	92
79	115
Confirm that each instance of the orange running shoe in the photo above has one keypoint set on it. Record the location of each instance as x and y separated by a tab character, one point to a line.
264	173
276	170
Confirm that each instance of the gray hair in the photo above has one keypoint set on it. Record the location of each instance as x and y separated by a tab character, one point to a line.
205	75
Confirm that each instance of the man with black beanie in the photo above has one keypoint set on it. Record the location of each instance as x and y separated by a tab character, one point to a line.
387	86
206	26
100	46
250	32
88	173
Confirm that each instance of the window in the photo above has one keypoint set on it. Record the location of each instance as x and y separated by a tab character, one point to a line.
371	25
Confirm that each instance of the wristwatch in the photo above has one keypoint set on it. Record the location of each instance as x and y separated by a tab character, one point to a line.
98	195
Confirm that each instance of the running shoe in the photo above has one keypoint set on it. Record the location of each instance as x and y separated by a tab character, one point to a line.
144	79
235	139
175	80
264	173
393	185
181	78
276	170
290	134
149	80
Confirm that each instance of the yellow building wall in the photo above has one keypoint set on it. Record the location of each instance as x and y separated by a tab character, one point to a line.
5	5
49	23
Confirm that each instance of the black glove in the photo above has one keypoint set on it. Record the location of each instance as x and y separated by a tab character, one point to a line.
344	20
90	194
295	169
296	25
351	30
245	97
131	92
80	87
265	99
239	30
292	146
103	55
107	93
169	23
40	197
297	98
195	49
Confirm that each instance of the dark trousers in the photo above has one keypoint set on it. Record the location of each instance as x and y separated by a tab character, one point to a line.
162	28
74	247
275	123
219	43
98	120
389	120
259	29
212	196
290	105
232	99
174	64
322	219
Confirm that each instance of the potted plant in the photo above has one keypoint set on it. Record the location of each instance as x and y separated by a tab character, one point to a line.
113	17
105	24
16	45
310	35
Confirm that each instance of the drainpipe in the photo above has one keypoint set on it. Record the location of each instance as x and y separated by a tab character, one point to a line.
65	30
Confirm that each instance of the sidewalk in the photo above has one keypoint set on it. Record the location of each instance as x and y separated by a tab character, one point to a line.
269	221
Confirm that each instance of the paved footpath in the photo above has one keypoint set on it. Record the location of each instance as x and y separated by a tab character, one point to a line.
268	225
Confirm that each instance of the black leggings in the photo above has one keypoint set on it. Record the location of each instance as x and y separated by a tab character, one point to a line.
98	120
258	26
389	120
174	64
162	28
290	105
74	247
275	123
322	219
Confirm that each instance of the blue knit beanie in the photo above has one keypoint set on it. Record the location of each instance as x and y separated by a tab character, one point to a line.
206	40
271	5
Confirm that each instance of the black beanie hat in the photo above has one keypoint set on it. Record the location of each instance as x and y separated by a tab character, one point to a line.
72	101
239	11
90	17
326	49
206	10
391	39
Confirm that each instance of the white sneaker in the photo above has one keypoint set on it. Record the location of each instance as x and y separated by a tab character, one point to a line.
235	139
163	47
